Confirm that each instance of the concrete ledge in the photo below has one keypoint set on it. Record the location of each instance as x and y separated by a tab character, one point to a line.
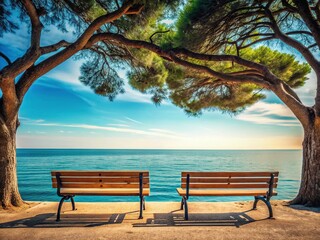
162	220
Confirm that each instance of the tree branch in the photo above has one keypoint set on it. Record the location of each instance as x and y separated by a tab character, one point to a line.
97	23
268	81
158	32
246	36
307	16
217	58
312	45
313	25
289	97
33	53
54	47
257	41
34	72
299	32
5	57
293	43
36	25
225	76
134	9
172	55
10	101
247	72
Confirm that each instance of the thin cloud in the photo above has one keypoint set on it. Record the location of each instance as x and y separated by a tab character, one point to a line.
132	120
110	129
118	125
161	130
269	114
28	120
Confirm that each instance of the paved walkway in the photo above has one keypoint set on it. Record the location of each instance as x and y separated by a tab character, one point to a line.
163	221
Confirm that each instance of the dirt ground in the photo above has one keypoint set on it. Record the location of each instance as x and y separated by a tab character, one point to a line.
163	220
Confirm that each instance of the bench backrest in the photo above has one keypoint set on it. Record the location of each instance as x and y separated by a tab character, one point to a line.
229	179
100	179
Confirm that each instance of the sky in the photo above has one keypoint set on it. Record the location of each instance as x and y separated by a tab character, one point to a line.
60	112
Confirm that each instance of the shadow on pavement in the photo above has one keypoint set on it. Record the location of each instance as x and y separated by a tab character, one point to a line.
48	220
236	219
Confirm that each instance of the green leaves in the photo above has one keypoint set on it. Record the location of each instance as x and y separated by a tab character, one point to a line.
101	77
209	27
149	74
6	23
227	27
195	91
94	11
283	65
197	94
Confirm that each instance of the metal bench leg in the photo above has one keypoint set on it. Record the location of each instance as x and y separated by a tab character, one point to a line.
186	214
73	204
141	207
255	203
144	203
266	201
269	207
60	206
181	207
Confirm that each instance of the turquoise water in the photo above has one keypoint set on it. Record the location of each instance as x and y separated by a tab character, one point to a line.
165	166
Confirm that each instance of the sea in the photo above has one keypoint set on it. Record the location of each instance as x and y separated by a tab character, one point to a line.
165	166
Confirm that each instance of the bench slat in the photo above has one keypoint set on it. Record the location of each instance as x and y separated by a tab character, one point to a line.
227	180
229	174
100	179
101	173
98	185
104	192
182	192
212	185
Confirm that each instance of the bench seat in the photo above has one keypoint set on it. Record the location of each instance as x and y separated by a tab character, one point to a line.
104	191
71	183
260	185
223	192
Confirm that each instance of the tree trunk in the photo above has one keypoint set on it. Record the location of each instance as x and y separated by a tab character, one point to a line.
309	193
9	193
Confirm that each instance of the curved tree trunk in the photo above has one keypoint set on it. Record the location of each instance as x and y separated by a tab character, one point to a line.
309	193
9	193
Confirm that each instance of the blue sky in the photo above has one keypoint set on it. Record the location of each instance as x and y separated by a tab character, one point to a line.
60	112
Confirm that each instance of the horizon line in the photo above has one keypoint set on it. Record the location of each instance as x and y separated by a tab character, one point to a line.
185	149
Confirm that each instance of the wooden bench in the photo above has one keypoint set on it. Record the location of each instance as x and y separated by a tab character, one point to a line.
260	185
100	183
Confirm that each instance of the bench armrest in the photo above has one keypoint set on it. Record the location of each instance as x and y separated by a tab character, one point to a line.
188	186
59	183
140	184
270	191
